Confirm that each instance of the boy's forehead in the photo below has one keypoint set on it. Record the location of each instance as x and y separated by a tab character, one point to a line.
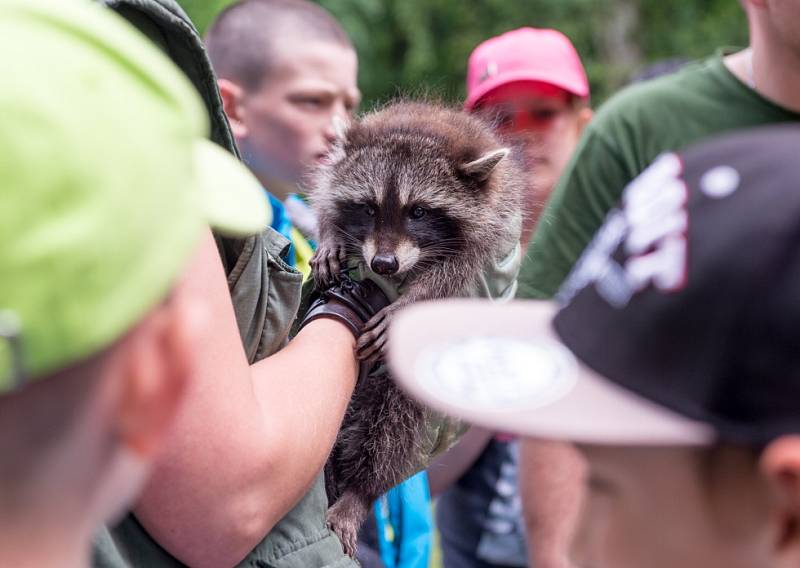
315	65
525	91
626	458
302	54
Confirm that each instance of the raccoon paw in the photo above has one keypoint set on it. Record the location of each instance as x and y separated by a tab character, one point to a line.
327	265
371	344
345	518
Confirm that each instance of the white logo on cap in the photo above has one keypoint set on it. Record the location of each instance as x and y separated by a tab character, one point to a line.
655	206
720	182
497	373
490	71
652	223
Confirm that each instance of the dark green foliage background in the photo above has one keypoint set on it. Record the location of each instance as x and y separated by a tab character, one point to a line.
421	46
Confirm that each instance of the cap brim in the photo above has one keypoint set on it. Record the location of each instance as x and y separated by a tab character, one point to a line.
234	202
502	367
572	85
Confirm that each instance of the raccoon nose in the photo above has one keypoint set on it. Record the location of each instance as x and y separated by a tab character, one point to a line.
385	264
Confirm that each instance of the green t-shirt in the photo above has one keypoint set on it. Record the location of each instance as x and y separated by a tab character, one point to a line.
627	134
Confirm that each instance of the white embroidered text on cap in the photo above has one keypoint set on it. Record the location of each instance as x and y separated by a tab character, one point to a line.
497	373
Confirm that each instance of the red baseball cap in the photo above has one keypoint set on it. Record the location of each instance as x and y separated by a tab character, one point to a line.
525	54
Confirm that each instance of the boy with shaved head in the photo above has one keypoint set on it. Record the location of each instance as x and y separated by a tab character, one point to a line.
287	71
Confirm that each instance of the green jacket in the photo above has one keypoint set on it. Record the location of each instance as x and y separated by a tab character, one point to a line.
265	293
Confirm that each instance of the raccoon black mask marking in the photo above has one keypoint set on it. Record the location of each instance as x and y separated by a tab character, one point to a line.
381	228
428	197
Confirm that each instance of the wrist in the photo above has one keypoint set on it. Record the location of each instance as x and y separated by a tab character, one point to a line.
349	303
329	330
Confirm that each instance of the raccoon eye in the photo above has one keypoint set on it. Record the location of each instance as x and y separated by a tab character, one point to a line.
417	213
369	210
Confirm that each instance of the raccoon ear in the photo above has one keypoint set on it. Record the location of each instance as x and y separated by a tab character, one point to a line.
481	169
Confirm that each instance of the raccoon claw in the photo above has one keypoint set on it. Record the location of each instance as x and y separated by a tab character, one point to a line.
373	352
345	518
371	345
347	535
327	266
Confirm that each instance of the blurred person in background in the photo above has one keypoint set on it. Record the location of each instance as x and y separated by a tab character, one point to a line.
286	72
531	84
98	327
755	86
671	356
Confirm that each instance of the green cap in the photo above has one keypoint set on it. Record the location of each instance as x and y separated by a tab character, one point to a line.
106	183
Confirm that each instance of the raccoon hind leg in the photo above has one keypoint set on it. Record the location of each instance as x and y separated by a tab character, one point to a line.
378	447
346	516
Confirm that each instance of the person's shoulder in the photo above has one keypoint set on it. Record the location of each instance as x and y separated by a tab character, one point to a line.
646	103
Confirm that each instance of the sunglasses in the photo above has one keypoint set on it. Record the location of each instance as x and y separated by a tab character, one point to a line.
534	117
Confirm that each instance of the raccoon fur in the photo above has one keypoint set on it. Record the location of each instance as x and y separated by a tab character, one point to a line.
426	197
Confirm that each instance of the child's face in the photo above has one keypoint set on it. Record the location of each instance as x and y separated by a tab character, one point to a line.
670	507
546	122
289	119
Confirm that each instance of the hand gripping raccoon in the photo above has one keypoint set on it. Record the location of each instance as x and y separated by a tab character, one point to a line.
427	198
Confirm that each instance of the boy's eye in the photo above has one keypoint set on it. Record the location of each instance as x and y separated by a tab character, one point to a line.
369	210
417	213
311	101
543	114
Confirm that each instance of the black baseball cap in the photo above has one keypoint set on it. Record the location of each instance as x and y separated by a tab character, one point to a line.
679	325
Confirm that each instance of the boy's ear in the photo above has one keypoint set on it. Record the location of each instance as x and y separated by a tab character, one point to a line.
480	169
231	94
585	116
156	368
779	465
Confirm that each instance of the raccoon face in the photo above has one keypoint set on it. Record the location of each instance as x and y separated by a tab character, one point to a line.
395	238
403	221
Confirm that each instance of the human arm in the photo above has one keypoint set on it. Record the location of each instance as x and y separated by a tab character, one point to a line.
248	441
449	466
551	481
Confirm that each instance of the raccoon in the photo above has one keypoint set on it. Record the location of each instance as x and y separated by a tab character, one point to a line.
425	197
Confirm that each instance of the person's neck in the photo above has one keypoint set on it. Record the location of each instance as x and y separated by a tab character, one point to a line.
773	71
44	542
529	222
279	188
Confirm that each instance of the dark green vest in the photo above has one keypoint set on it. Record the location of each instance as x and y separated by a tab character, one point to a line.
265	293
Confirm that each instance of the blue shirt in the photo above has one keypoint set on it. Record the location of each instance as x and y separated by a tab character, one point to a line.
282	224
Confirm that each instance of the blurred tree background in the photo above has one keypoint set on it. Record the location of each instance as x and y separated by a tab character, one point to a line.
421	46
